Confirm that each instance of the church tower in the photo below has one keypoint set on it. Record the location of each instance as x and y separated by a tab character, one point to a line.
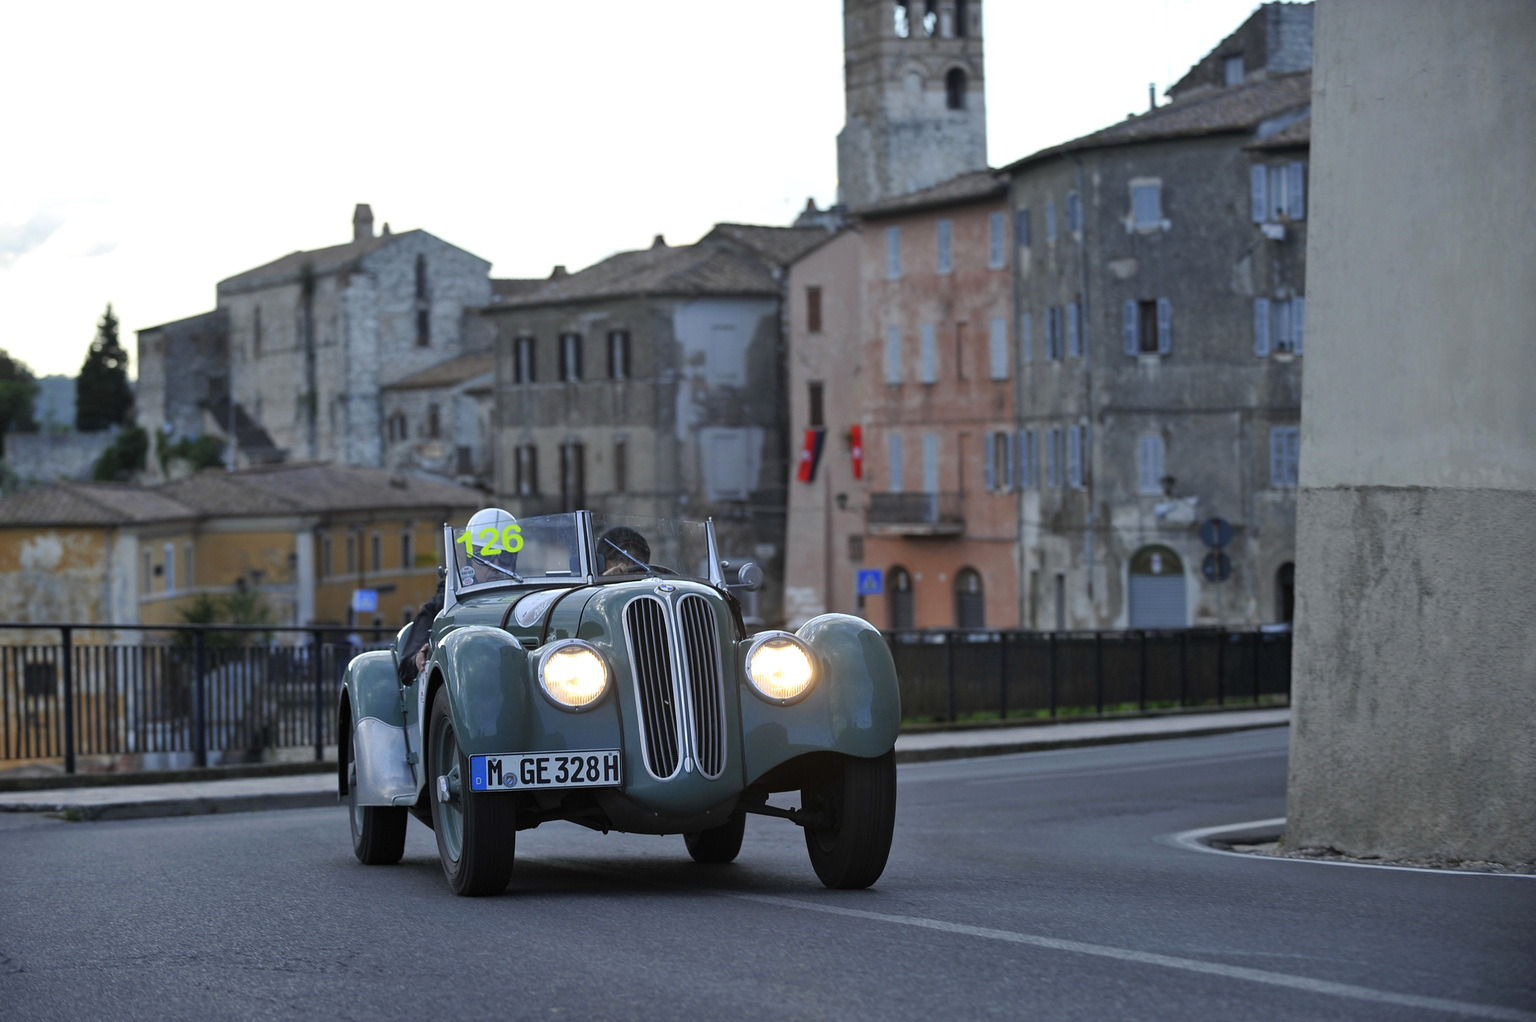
916	104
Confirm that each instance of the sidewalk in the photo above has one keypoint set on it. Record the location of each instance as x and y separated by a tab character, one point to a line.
304	791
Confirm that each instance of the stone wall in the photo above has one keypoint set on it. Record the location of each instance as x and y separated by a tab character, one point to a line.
44	457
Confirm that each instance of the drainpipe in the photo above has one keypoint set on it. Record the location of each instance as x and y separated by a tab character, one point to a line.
1082	326
1021	557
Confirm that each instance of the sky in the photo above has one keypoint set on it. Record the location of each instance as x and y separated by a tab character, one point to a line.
149	150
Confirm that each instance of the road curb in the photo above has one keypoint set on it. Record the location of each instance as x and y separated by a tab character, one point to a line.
1045	744
202	806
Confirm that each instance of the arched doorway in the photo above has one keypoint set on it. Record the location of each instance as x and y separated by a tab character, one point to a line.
1157	589
970	600
1285	593
899	598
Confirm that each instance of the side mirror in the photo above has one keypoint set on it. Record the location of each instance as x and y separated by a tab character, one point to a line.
749	577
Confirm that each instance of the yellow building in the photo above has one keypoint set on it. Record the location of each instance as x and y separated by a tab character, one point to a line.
310	540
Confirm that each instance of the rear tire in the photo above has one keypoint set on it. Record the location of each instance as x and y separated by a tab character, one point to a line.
477	831
718	844
378	832
861	797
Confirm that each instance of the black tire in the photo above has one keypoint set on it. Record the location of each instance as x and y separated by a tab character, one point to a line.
378	832
476	832
718	844
861	797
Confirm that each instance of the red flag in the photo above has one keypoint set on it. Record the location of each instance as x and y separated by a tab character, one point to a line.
810	455
856	442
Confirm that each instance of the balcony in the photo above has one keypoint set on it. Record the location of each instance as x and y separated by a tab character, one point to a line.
916	514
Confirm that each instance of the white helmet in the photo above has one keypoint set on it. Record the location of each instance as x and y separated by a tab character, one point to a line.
487	527
492	518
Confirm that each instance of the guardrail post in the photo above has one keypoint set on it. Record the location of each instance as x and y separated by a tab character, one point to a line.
1221	666
1002	675
199	703
1098	672
1258	647
1053	674
949	674
1183	665
66	652
319	676
1141	676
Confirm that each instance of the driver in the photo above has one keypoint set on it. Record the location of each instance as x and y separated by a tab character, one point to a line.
488	527
624	551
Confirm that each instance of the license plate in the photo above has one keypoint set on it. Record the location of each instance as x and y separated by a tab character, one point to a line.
513	771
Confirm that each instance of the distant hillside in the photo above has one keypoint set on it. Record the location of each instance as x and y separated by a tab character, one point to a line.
55	407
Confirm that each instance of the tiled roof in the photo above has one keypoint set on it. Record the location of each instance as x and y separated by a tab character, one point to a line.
1239	108
971	187
202	321
72	503
503	288
1298	134
447	374
322	260
779	245
705	268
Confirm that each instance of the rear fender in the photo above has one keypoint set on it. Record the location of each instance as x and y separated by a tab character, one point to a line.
370	704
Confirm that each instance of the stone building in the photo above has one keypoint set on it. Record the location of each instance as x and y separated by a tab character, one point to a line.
1160	269
653	383
916	112
307	347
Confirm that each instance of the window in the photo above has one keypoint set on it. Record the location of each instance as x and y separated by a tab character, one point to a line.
856	549
1232	70
970	601
930	18
570	357
1074	330
960	351
1147	327
434	422
407	549
1074	213
929	356
573	476
399	428
892	354
527	470
944	232
325	557
423	328
376	552
1027	335
169	584
1284	453
997	349
618	354
522	369
421	278
997	241
1028	460
186	566
813	310
1021	228
256	332
1149	465
900	599
1146	205
999	462
1278	326
1050	220
1053	333
893	253
896	480
903	24
814	398
962	19
1053	459
930	463
1075	444
463	460
954	89
1278	191
351	553
620	466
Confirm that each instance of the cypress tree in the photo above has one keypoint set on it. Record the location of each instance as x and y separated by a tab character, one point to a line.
18	394
103	398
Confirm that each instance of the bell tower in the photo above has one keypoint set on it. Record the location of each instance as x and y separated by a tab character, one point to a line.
916	105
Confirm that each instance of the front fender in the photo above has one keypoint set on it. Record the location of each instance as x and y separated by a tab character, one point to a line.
370	701
854	707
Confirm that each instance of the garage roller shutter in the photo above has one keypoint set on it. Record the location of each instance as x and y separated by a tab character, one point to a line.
1157	601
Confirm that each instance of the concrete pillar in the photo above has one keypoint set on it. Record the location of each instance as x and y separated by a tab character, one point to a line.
304	574
1415	657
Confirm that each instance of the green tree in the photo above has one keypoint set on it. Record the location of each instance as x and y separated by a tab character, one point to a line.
127	454
18	394
103	398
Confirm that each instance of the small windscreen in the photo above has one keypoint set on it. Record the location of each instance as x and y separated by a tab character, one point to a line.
630	546
545	548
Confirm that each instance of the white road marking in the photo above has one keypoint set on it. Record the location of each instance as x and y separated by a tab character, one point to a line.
1190	841
1305	984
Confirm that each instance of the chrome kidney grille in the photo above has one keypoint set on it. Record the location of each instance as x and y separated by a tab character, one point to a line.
677	696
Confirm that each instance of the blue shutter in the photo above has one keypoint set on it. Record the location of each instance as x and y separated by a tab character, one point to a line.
1013	475
896	466
930	463
1277	456
1164	326
1026	328
999	349
1128	325
1298	190
892	253
930	356
944	259
1298	321
991	455
1258	187
1261	327
1074	343
1075	456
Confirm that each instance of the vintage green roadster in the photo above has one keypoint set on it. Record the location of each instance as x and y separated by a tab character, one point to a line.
596	669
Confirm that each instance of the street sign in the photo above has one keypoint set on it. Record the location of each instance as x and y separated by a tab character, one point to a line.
1217	567
869	582
1216	532
365	601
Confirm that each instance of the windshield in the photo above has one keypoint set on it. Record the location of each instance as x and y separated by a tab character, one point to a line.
628	546
550	548
532	549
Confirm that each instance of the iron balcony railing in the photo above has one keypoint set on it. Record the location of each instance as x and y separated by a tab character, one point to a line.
916	514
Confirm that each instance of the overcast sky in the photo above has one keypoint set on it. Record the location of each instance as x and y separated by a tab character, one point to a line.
152	149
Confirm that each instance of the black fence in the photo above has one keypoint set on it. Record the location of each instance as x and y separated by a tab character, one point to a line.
974	675
220	692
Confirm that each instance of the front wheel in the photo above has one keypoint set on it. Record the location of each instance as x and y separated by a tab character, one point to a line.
378	832
718	844
476	831
860	796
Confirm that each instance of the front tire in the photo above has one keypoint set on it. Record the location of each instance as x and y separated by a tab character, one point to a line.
378	832
476	831
860	795
718	844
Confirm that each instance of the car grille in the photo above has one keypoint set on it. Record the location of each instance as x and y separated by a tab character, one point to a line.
658	681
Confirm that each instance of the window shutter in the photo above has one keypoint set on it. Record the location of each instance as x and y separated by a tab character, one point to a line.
996	231
1075	456
1282	338
892	253
1021	228
1012	466
1074	342
1164	326
1026	327
1258	187
1277	456
930	355
892	354
1128	325
944	235
991	456
1298	190
1261	327
1026	467
930	463
999	350
1293	455
896	467
1298	322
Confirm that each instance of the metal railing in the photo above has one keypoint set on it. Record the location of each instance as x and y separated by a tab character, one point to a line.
961	675
199	694
930	514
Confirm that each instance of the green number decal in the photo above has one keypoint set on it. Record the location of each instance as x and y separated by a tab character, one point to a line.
512	538
469	544
490	541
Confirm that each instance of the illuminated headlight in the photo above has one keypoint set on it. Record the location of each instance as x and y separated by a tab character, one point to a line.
779	666
573	675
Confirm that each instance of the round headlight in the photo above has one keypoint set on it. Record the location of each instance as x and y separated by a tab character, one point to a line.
573	675
779	667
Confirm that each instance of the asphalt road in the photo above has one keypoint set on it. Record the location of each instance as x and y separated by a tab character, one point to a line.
1030	886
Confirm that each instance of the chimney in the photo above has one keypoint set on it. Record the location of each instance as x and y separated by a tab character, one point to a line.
559	272
1151	95
362	222
660	242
